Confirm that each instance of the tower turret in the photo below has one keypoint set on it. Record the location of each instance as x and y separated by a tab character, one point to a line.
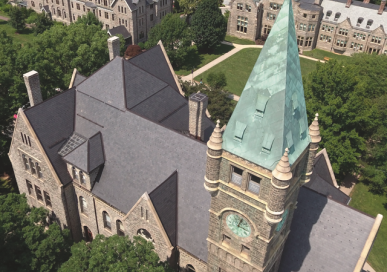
214	154
314	132
280	181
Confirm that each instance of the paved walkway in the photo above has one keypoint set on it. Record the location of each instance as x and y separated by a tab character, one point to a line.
4	18
238	47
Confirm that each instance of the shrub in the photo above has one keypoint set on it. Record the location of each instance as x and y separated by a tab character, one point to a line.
132	51
217	80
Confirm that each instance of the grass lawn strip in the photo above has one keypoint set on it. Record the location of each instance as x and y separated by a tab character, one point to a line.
197	61
372	204
236	40
321	54
24	37
238	67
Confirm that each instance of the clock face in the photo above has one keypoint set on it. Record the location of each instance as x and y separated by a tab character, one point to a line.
281	224
238	225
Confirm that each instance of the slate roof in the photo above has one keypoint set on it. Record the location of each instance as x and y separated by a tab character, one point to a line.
135	121
271	112
119	30
53	123
357	9
78	79
322	181
324	236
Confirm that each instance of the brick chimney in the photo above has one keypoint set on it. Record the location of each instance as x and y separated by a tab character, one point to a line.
349	2
381	8
31	79
114	47
366	1
197	104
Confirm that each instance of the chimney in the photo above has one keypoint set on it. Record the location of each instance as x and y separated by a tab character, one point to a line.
31	79
349	2
381	8
366	1
317	2
114	47
197	104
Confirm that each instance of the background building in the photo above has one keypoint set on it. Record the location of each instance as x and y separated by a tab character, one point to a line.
137	16
344	27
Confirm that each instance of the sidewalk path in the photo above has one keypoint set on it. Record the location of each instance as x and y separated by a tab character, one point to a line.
238	47
4	18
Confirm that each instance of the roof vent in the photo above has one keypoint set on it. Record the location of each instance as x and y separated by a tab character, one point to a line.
359	21
295	102
268	139
239	131
337	16
369	23
261	105
329	13
302	126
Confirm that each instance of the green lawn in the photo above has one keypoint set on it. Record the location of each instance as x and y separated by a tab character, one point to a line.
321	54
236	40
371	204
22	38
239	66
198	60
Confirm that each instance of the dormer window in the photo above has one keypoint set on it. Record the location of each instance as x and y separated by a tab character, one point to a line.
369	23
275	6
239	131
359	21
261	105
337	16
83	177
289	138
295	102
302	127
268	139
329	13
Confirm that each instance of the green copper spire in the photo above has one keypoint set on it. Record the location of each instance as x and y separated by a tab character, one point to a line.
271	114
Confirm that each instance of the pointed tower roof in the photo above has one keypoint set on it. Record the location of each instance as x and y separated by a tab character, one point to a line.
271	114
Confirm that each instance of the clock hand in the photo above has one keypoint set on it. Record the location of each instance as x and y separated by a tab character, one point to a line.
239	223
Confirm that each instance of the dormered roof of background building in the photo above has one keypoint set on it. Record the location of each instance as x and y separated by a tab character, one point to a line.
119	30
131	116
271	113
357	10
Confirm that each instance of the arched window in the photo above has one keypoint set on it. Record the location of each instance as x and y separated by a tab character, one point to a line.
40	5
33	170
75	173
26	164
33	3
64	14
83	177
83	204
39	170
146	235
120	228
59	12
106	221
190	268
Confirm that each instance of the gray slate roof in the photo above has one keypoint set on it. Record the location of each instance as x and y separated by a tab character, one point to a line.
78	79
53	122
119	30
321	181
357	9
324	236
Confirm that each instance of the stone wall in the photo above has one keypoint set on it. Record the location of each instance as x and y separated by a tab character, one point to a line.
240	15
186	259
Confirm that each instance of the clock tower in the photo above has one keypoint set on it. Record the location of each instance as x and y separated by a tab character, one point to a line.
257	165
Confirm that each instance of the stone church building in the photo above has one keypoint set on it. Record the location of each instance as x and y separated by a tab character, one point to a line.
123	152
133	18
340	26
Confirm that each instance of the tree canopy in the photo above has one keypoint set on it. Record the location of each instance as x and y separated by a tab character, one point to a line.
176	38
27	243
351	99
208	25
17	18
42	23
114	253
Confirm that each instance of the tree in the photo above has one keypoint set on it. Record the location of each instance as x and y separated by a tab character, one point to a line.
42	23
219	105
208	25
114	253
17	19
26	242
89	19
174	34
132	51
217	80
188	7
350	98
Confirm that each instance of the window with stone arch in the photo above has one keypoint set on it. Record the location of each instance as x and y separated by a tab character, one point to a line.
146	235
120	228
107	223
75	173
82	177
190	268
83	204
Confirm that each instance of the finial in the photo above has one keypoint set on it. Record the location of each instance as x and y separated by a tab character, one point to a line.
216	140
316	116
282	171
217	123
314	130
